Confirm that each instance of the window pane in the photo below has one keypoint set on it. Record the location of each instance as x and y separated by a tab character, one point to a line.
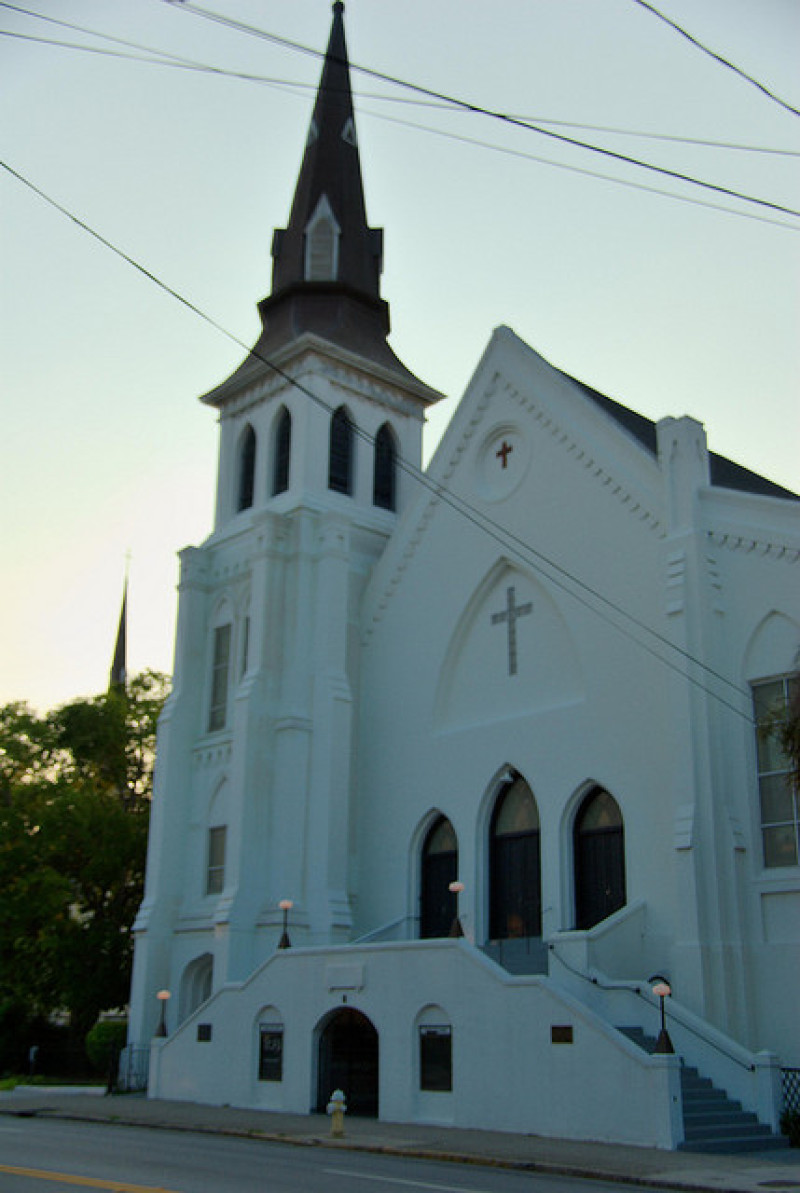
776	800
435	1059
270	1056
600	811
219	678
340	462
215	877
442	838
767	698
517	812
247	468
770	754
283	451
780	846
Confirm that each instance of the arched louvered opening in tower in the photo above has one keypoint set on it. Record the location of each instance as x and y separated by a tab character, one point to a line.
247	469
384	488
340	459
282	452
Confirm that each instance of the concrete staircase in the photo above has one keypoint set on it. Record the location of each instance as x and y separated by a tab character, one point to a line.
712	1122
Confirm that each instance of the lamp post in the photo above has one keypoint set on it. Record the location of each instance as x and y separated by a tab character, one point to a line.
455	928
163	997
286	906
662	990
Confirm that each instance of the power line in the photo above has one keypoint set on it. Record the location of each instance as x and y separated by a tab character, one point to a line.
174	61
557	575
478	109
188	64
717	57
164	58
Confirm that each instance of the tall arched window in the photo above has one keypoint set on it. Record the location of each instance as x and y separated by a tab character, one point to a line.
599	859
247	468
340	460
439	868
515	898
282	452
385	479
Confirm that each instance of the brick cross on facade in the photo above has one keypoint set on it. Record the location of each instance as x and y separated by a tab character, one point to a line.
509	615
504	452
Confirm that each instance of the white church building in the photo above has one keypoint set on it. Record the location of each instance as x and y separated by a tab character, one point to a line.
535	671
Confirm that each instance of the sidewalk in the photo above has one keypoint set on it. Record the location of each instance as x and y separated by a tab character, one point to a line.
753	1172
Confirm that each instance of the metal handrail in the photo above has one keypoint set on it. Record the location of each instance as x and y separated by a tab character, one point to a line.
376	932
637	990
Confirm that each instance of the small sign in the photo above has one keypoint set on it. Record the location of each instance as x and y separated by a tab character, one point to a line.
561	1033
204	1033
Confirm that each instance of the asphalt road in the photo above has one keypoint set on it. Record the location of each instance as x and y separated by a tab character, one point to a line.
37	1155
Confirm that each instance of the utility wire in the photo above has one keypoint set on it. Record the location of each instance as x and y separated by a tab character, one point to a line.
557	575
468	106
717	57
452	136
156	57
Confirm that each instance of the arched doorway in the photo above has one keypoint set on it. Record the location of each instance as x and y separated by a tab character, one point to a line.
439	868
515	898
348	1060
599	859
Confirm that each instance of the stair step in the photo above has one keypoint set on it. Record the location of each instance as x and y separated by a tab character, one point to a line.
726	1143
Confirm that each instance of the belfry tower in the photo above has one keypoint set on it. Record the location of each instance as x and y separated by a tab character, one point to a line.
255	777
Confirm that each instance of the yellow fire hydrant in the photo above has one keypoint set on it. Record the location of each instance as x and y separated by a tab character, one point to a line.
336	1109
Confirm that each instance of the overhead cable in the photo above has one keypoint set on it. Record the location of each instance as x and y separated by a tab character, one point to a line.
154	57
717	57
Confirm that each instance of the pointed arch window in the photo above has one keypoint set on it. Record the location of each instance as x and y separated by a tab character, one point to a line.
247	469
282	452
322	244
515	898
599	859
384	485
340	460
439	868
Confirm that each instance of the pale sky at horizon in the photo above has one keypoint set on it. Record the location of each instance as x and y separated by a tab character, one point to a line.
669	307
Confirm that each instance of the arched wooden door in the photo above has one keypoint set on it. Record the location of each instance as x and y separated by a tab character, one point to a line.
438	869
599	859
348	1060
515	886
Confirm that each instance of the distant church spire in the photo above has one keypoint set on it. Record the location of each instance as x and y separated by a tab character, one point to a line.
117	675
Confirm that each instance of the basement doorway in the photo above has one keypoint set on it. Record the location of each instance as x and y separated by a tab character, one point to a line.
348	1060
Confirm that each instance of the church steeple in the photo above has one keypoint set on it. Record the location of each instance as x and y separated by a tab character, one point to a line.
327	238
327	260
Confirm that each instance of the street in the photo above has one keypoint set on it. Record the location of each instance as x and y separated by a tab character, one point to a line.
39	1154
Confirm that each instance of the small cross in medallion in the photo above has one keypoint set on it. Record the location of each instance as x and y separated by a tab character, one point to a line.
509	615
504	452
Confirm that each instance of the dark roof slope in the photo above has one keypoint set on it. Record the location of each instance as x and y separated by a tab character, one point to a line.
725	474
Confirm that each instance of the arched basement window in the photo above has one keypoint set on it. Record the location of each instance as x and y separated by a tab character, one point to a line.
340	460
385	478
599	859
439	868
247	468
515	899
283	451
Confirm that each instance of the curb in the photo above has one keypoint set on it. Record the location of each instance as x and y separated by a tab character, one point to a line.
410	1151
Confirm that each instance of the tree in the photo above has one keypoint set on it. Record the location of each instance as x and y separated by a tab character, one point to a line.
75	788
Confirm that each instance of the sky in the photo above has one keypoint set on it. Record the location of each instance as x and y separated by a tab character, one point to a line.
670	306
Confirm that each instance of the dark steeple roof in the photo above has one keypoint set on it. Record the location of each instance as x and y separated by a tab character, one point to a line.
327	260
331	171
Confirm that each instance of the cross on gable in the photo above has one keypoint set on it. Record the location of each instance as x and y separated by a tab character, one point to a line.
504	452
509	615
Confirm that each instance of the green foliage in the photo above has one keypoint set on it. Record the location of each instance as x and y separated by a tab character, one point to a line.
104	1042
75	787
